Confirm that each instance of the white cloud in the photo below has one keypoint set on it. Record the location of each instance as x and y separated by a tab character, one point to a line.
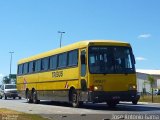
1	75
141	58
144	36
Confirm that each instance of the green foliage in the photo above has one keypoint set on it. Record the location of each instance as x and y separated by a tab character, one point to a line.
151	80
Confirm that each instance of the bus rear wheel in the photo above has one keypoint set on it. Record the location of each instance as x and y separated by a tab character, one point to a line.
28	97
74	98
35	98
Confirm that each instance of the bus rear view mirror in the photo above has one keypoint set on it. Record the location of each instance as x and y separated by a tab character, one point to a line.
83	59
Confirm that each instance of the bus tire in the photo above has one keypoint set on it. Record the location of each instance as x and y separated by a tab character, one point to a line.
29	99
35	98
74	98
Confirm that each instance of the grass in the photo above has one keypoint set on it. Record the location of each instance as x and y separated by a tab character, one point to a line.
6	114
148	98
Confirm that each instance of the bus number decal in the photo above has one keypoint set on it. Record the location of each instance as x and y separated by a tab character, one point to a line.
57	74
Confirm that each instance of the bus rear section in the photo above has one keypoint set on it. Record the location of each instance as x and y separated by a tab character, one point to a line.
112	76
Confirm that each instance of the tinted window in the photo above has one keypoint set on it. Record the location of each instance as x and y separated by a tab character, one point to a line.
45	63
25	68
53	62
31	67
62	61
37	65
18	72
20	69
73	58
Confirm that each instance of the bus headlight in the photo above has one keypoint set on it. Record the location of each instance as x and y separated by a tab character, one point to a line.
132	87
98	88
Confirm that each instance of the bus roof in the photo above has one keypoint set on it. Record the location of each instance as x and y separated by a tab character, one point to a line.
73	46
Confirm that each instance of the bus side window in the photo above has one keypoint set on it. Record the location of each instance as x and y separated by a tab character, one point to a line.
53	62
25	68
31	67
37	65
20	69
18	72
62	60
45	64
73	58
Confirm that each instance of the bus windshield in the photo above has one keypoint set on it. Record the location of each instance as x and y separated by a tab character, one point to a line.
111	59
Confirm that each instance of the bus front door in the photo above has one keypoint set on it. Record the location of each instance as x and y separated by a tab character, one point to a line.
83	75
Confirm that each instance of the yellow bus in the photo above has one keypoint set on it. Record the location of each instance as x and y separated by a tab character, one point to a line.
87	71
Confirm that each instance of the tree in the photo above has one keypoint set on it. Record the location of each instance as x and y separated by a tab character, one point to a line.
12	78
151	82
6	80
144	87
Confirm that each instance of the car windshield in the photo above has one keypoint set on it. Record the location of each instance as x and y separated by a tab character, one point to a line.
10	86
114	59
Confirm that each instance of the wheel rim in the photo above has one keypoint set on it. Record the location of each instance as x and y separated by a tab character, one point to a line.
34	97
27	97
74	98
75	102
35	100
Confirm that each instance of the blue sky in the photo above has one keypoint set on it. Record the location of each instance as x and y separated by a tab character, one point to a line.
29	27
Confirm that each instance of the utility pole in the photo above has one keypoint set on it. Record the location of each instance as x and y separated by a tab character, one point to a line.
11	62
61	37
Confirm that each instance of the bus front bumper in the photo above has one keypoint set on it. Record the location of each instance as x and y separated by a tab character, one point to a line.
101	96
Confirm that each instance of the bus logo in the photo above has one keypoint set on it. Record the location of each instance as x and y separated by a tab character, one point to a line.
57	74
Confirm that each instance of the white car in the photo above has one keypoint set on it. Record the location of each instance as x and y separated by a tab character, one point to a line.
9	91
